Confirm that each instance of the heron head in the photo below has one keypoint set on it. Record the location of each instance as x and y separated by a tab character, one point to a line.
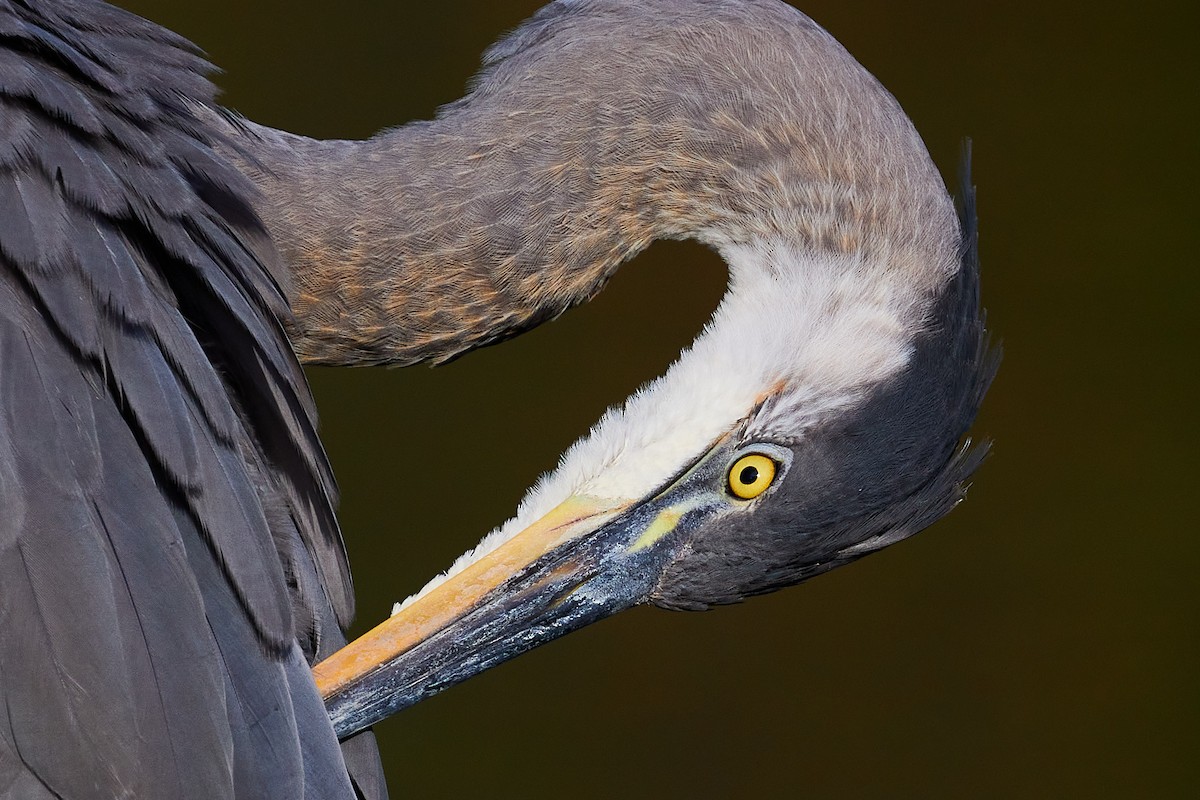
819	417
809	481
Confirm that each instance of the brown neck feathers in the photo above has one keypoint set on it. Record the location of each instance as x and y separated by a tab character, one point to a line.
573	151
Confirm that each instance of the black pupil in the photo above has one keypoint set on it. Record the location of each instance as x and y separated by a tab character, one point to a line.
748	475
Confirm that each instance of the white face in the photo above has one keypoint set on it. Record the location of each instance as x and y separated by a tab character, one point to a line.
823	330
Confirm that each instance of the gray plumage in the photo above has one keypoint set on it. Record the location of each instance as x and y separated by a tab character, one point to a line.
169	560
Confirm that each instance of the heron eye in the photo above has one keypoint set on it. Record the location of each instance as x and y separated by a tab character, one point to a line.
751	475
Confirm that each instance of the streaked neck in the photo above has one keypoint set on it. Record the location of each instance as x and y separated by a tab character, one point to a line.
572	154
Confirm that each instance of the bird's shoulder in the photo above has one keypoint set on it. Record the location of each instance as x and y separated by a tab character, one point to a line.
168	541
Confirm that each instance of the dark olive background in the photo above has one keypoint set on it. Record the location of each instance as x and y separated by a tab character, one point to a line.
1040	642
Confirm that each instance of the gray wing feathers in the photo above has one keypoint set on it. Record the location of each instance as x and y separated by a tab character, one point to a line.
96	590
169	559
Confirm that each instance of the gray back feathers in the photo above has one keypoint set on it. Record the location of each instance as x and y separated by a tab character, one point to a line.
169	558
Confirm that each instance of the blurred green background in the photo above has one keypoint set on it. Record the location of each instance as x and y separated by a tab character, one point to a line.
1040	642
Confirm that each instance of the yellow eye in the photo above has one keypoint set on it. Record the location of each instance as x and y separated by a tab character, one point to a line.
751	475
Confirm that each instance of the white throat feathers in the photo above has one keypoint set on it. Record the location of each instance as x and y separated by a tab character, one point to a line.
818	329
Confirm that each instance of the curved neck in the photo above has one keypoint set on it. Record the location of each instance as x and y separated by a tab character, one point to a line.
425	242
572	153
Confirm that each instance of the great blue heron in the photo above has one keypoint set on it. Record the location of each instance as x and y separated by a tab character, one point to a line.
169	561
